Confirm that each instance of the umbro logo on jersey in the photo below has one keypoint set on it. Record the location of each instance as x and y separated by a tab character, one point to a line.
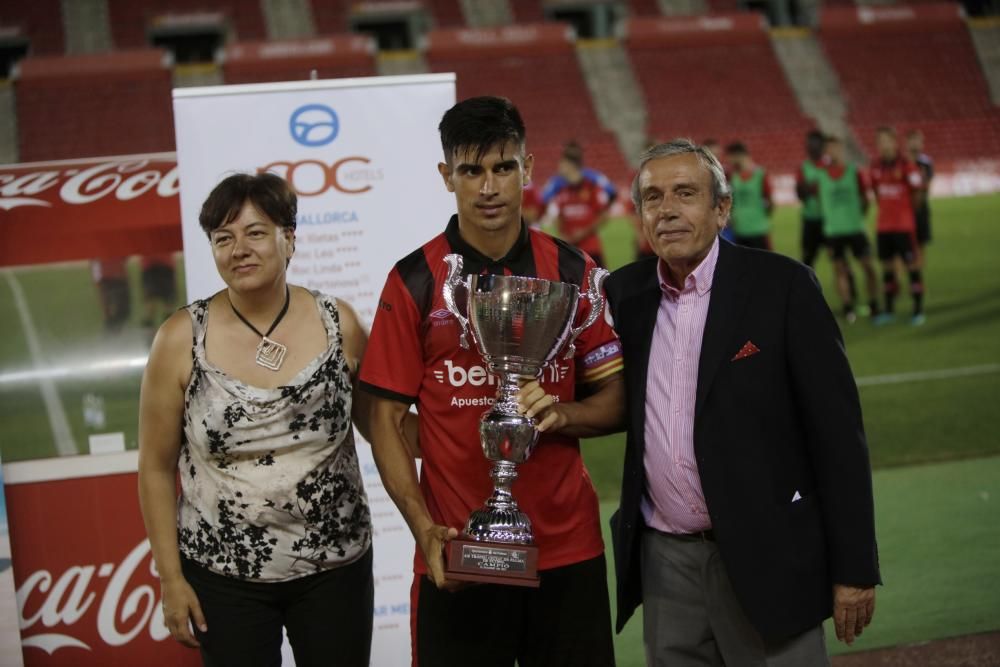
477	376
441	317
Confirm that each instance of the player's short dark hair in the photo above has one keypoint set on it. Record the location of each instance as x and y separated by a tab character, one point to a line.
914	132
573	152
269	193
479	124
886	129
815	136
737	148
832	139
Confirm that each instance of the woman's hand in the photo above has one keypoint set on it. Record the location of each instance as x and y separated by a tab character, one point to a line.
180	604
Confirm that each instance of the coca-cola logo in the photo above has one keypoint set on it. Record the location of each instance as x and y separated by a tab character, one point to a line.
122	180
127	606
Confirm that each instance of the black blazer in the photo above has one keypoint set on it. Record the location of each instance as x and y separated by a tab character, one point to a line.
781	422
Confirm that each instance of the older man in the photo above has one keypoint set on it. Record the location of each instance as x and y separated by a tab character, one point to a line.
746	514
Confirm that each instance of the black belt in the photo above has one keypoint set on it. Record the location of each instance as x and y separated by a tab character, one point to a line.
700	536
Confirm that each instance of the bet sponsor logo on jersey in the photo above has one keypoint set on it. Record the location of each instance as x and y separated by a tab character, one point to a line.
479	376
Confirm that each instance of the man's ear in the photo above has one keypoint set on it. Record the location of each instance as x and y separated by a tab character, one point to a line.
445	172
724	208
529	165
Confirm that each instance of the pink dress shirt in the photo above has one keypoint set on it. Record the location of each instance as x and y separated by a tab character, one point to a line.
674	502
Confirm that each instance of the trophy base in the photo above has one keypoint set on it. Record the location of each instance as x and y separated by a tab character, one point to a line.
492	562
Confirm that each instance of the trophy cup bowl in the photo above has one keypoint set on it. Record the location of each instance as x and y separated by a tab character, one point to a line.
520	325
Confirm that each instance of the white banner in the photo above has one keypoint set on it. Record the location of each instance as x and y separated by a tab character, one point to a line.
362	155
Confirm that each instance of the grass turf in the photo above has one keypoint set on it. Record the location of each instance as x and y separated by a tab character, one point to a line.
938	547
937	524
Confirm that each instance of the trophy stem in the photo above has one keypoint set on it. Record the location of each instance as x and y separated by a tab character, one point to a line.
503	474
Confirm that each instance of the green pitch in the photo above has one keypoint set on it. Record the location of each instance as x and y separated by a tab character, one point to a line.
936	523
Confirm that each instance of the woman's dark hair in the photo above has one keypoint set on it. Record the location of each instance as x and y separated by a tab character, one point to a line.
270	194
479	124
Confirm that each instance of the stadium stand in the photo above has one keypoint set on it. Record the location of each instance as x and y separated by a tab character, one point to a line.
331	57
913	66
94	105
131	20
40	21
536	67
334	16
644	8
717	76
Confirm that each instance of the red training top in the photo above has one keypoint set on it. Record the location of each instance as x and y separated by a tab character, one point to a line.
579	206
894	183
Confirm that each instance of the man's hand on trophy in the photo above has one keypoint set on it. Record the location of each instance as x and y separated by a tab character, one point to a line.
432	542
534	402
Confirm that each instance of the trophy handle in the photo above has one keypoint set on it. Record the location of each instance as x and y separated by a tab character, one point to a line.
451	283
596	300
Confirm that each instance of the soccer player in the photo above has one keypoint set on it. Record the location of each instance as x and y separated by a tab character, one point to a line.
414	357
922	212
842	195
806	188
712	146
897	185
578	198
752	206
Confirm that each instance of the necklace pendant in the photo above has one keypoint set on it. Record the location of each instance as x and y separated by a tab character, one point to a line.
270	354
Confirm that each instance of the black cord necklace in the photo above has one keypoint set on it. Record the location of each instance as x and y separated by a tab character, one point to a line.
270	353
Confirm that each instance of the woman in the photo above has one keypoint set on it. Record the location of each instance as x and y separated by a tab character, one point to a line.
249	395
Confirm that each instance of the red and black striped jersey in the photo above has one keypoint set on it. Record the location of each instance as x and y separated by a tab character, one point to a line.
414	356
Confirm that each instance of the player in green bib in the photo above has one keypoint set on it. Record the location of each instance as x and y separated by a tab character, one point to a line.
752	206
843	199
807	190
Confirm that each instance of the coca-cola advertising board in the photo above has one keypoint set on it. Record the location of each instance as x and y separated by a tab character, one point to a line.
87	590
361	155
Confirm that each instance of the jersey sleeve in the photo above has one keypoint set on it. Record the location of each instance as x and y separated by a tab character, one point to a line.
603	182
551	189
598	350
392	366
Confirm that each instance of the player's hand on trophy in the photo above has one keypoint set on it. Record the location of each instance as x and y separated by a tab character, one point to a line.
432	540
180	603
534	402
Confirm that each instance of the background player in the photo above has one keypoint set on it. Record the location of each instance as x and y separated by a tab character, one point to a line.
807	190
922	210
842	195
897	186
578	199
752	205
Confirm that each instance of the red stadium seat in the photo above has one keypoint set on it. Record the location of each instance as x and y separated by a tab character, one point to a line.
536	67
94	105
334	16
717	76
131	20
40	21
913	67
331	57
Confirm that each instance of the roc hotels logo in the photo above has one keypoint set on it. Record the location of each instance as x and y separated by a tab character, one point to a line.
314	125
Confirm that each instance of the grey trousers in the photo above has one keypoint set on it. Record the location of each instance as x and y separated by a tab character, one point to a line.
692	617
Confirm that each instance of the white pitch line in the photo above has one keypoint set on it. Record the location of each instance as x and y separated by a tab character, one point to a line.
919	376
58	422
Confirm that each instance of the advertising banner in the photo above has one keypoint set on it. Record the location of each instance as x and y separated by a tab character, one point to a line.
362	155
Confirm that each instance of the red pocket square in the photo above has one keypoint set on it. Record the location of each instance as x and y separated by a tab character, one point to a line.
748	350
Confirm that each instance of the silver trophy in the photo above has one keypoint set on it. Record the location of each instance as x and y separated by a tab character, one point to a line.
520	325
